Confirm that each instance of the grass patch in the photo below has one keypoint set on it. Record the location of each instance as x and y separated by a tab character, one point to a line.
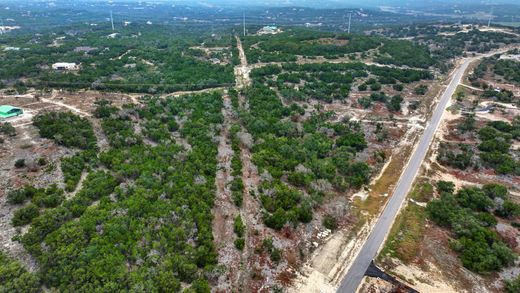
385	184
422	192
406	234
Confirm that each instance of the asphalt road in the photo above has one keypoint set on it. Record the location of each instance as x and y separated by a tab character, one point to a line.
354	276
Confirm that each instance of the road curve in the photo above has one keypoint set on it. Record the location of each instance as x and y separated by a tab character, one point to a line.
354	276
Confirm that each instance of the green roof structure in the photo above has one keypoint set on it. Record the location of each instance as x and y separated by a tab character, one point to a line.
7	111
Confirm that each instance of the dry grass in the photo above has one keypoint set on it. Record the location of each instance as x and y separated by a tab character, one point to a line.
385	184
404	240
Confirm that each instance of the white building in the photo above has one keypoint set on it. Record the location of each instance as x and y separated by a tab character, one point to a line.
64	66
269	30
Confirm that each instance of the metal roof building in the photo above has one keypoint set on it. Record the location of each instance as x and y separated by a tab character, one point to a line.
7	111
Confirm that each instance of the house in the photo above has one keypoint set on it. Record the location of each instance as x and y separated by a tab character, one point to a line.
7	111
112	35
64	66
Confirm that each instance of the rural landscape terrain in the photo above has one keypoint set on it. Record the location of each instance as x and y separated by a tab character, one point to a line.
216	147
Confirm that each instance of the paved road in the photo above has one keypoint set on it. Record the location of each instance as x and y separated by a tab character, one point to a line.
354	276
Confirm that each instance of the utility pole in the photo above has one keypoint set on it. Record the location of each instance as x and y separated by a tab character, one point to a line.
349	18
490	16
244	23
112	19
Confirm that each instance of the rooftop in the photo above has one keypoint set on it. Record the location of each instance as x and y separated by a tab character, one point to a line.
7	108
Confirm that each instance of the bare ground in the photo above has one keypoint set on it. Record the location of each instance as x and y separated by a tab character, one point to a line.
224	210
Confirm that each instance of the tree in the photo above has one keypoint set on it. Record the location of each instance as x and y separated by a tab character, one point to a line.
445	186
442	210
375	87
474	198
395	103
66	129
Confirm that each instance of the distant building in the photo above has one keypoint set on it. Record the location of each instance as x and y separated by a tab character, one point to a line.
7	111
308	24
113	35
7	29
84	49
64	66
269	30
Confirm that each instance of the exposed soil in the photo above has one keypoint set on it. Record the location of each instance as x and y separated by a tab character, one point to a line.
224	210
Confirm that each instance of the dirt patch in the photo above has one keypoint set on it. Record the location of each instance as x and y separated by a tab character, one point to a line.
224	210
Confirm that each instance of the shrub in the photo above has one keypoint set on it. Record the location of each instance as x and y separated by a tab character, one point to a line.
24	216
66	129
20	163
275	253
395	103
480	248
398	87
7	129
238	226
421	90
14	278
445	186
330	222
50	198
16	196
240	243
277	220
513	285
375	87
42	161
237	197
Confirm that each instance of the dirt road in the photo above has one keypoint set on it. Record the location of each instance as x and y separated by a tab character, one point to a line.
242	71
